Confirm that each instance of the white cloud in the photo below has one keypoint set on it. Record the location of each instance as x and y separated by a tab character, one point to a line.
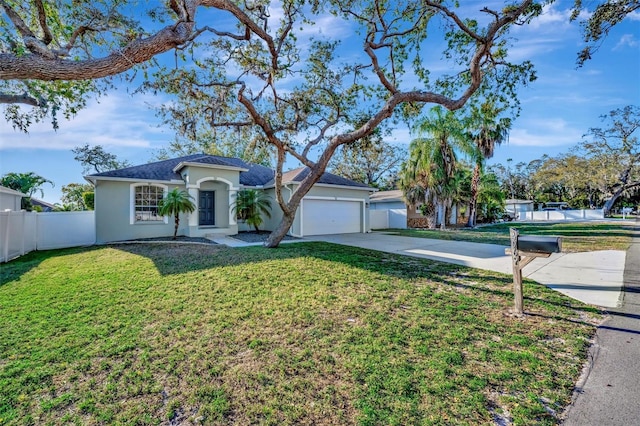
544	133
633	16
551	19
545	34
116	120
626	40
401	135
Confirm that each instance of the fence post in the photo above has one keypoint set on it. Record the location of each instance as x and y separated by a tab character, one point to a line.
5	255
23	215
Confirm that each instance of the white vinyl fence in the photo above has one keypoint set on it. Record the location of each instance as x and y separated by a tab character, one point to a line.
558	215
22	232
389	218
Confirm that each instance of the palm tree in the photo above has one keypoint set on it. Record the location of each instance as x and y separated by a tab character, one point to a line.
487	132
176	201
27	183
250	205
490	197
432	163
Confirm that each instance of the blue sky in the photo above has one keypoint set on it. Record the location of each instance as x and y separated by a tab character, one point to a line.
557	109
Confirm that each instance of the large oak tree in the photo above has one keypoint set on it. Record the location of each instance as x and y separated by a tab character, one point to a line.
251	66
616	152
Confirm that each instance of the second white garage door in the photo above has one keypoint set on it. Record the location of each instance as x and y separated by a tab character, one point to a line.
320	217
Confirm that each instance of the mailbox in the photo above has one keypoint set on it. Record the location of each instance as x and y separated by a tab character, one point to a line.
538	244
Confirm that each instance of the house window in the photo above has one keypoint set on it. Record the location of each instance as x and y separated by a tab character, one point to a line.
146	203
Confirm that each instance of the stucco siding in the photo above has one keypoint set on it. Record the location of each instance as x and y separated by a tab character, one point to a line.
270	224
194	174
113	215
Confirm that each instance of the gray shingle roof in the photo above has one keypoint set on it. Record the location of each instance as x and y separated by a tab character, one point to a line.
297	175
256	175
387	196
159	170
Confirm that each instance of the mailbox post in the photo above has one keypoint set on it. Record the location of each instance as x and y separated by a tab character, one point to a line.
525	249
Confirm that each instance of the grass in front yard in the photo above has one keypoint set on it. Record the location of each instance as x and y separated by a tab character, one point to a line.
577	237
309	333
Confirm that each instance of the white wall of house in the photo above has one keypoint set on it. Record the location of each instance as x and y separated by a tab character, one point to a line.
10	199
519	207
114	217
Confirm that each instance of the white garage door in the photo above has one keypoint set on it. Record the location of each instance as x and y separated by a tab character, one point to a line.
320	217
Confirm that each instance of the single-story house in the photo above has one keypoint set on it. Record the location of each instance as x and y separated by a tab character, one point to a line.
44	206
519	208
126	200
10	199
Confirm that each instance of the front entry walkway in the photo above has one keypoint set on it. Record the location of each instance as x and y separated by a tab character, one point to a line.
592	277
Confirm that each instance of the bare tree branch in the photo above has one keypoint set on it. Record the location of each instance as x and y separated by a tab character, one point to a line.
24	99
42	19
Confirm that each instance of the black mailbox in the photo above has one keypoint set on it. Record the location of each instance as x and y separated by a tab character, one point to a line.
537	244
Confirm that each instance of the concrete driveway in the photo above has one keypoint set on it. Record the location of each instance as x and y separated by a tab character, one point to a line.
592	277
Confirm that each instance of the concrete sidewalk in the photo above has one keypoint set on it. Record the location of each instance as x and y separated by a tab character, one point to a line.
608	392
593	277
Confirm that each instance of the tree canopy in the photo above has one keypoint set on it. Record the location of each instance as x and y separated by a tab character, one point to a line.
28	183
74	194
95	159
615	153
601	19
261	68
370	160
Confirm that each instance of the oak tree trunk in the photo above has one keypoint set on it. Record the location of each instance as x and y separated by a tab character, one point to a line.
611	201
280	232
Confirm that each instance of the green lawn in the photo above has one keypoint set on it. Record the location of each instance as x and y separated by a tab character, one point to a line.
309	333
578	237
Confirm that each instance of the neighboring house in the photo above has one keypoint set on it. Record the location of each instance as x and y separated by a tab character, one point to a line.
519	208
46	207
416	220
392	203
10	199
402	216
126	200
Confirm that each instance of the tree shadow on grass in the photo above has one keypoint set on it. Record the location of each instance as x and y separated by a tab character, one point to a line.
174	259
178	259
